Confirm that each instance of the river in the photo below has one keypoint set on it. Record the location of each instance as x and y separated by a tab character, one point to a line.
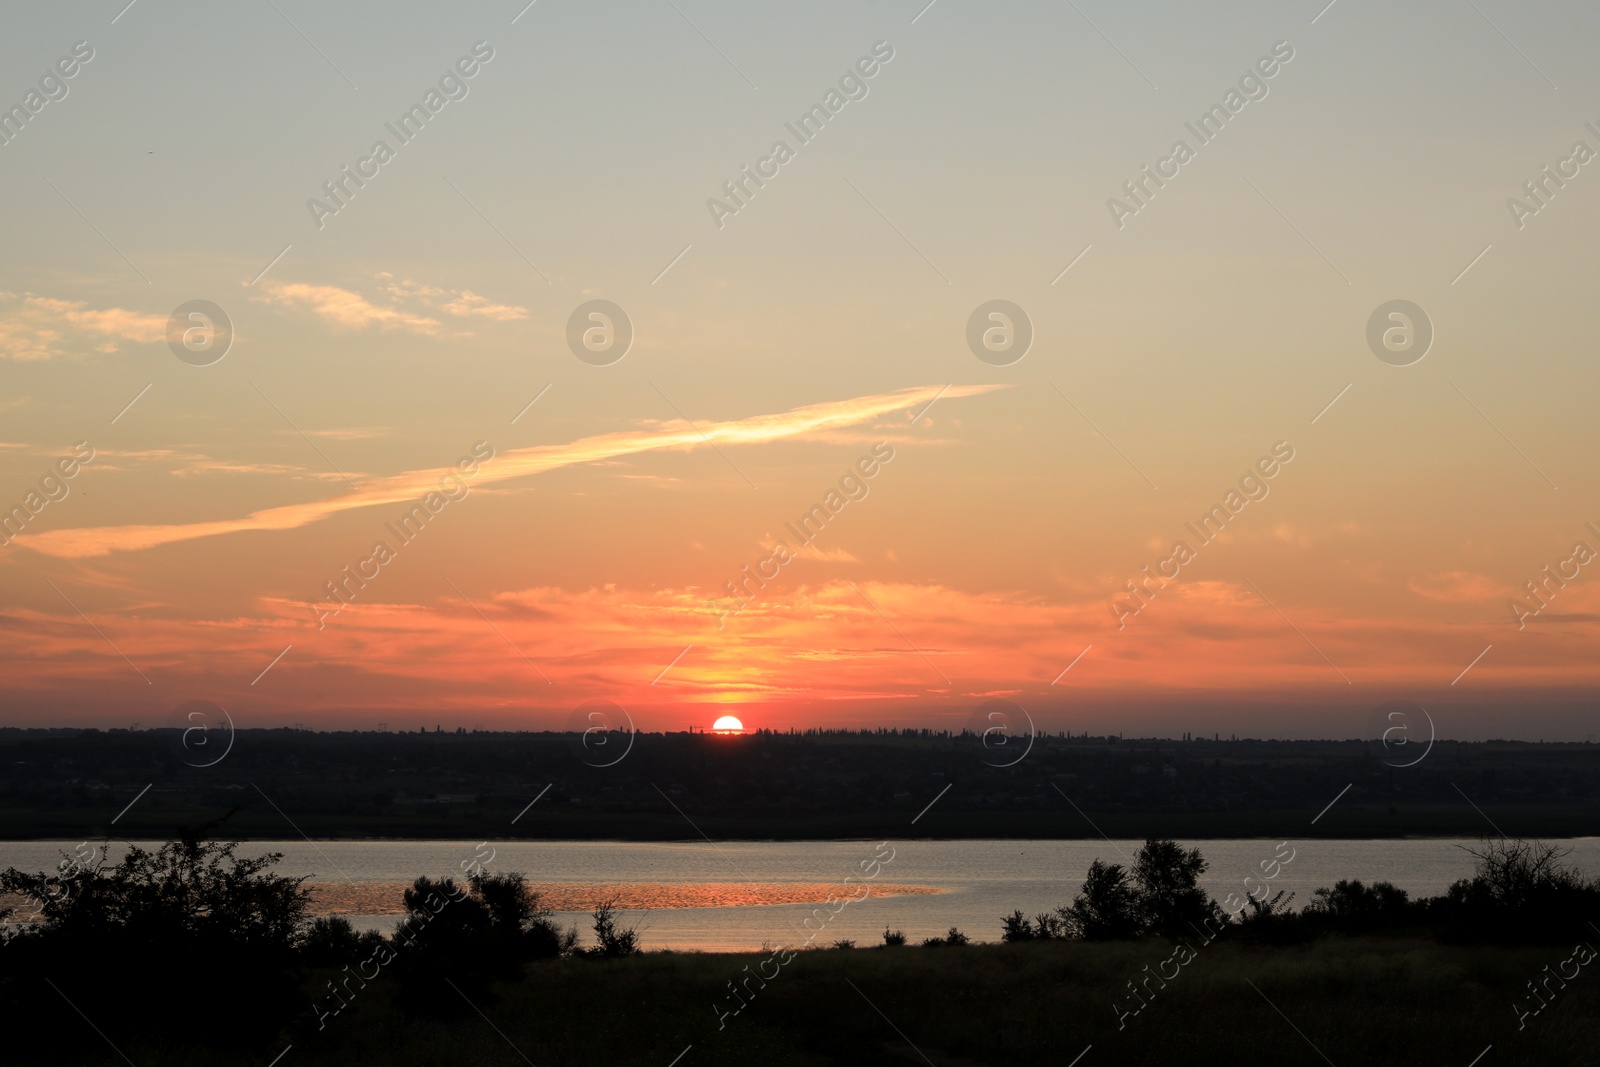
738	895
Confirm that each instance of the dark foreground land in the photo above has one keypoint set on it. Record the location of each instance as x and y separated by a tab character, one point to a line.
1366	1001
193	954
1347	1001
835	784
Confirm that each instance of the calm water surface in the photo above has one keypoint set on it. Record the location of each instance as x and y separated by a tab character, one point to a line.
978	881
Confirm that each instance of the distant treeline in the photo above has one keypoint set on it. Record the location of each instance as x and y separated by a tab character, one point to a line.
814	784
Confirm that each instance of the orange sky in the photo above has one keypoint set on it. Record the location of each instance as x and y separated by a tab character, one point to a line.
855	627
583	521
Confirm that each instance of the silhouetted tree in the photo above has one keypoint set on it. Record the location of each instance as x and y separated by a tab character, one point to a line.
1521	890
1016	927
1045	926
954	937
1353	907
464	936
1273	921
331	941
1107	907
1168	897
124	941
610	941
1513	873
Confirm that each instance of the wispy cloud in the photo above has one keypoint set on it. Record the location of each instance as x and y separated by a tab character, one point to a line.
470	303
347	309
827	555
202	467
351	433
519	463
40	327
399	304
34	327
1458	587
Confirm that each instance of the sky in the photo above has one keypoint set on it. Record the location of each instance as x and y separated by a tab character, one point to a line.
585	521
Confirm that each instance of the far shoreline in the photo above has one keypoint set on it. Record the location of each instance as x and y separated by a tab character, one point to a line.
502	839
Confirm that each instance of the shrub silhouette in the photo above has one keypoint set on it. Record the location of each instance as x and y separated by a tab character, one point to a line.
893	938
1520	891
610	942
1513	873
1168	897
1353	907
1161	895
1107	907
332	942
954	937
1273	921
465	936
1015	927
124	941
1046	926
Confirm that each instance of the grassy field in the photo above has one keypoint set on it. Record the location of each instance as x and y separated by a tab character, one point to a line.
1343	1001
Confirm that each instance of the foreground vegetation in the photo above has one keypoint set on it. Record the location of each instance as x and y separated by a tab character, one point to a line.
1371	1000
193	955
1520	892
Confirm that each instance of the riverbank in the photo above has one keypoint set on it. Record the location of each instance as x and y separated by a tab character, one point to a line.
156	818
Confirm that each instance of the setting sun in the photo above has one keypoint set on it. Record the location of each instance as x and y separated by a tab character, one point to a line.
728	725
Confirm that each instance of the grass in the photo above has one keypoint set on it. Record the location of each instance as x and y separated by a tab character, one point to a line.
1344	1001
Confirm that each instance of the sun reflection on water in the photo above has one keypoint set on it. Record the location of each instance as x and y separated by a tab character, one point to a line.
384	898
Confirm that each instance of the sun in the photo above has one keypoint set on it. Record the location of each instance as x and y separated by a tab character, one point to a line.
727	725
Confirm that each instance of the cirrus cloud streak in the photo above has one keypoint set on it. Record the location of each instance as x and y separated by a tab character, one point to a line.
519	463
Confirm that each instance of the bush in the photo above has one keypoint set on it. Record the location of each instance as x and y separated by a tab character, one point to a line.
610	941
1053	925
118	940
1351	907
1519	874
1521	890
954	937
893	938
468	935
1273	922
1160	895
1108	906
333	942
1015	927
1168	897
1046	926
